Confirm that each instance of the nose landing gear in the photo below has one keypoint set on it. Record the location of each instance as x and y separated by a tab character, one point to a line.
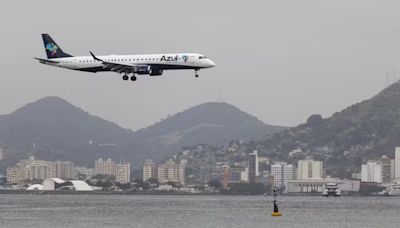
196	73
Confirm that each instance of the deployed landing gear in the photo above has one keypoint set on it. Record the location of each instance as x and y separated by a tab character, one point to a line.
196	73
126	77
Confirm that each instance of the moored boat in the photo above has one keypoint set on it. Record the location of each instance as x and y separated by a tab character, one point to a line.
331	189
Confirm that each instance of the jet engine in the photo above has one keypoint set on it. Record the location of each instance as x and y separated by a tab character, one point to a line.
156	72
152	71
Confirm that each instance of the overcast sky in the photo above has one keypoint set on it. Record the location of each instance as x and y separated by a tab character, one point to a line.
278	60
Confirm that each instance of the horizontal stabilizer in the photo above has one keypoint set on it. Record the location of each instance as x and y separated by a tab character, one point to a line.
46	60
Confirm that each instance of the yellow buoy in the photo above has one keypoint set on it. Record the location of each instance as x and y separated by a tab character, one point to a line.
276	214
276	210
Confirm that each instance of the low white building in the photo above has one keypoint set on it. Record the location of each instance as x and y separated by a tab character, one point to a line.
51	184
316	186
304	186
164	187
35	187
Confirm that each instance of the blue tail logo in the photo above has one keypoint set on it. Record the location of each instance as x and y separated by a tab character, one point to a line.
52	48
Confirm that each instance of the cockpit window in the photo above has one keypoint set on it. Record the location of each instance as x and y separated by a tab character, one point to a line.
202	57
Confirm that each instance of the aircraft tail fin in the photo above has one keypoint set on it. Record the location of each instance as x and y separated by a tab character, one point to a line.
52	48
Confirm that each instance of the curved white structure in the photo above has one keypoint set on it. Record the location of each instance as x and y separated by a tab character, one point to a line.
35	187
51	184
81	185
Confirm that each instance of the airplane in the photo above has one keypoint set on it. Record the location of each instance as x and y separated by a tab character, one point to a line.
128	65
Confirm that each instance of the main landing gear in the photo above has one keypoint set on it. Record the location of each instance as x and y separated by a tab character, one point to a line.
126	77
196	73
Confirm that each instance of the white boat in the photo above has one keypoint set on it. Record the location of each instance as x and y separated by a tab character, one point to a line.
393	190
331	189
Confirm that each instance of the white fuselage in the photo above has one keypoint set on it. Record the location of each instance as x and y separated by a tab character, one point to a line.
153	65
159	61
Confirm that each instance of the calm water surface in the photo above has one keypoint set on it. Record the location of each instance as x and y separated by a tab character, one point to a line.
195	211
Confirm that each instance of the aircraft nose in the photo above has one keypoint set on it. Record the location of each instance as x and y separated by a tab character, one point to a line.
211	63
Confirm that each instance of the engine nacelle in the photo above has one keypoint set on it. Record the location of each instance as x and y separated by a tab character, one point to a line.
156	72
143	70
149	70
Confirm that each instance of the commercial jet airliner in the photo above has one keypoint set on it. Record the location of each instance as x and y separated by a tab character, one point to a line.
128	65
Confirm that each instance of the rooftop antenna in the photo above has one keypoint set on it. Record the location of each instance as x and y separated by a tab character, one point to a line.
387	80
219	98
394	76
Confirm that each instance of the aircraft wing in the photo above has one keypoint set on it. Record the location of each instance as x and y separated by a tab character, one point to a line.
120	67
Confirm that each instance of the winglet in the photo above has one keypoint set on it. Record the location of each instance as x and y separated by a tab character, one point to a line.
94	57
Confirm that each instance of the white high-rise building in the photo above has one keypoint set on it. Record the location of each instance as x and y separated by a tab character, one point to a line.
149	170
371	172
88	172
281	172
104	167
63	169
392	169
32	169
123	173
13	175
276	172
29	169
288	171
397	164
171	172
386	169
257	169
309	169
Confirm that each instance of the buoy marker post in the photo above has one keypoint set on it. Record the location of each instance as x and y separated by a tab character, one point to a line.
276	210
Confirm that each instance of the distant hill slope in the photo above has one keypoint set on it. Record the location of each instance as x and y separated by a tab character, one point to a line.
55	129
207	123
52	121
362	131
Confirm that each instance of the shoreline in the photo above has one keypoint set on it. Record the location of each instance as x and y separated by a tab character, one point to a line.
23	191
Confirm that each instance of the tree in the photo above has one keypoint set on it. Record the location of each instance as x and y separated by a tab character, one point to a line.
174	184
125	186
81	176
314	120
104	184
103	177
153	181
214	184
139	183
